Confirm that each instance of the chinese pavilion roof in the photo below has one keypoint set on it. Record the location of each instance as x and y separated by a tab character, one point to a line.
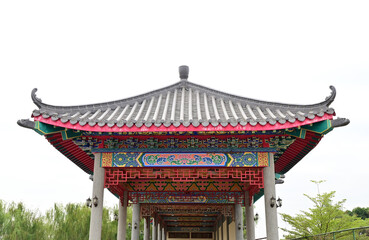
179	123
183	106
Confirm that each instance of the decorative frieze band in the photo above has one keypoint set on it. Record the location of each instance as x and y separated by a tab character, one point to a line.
134	159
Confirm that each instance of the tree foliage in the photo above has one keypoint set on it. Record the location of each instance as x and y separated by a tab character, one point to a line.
325	216
71	221
16	222
360	212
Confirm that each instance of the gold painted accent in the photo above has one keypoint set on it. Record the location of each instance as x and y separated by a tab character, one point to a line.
169	187
193	187
263	159
151	187
230	162
106	159
236	188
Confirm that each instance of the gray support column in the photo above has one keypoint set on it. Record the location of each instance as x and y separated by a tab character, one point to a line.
217	231
154	229
163	233
98	194
238	221
135	232
228	222
122	217
221	228
250	223
147	228
269	192
159	231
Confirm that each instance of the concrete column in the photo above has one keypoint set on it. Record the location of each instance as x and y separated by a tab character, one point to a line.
163	234
221	228
269	192
250	223
238	221
135	232
154	229
217	231
228	222
147	228
97	193
159	232
122	217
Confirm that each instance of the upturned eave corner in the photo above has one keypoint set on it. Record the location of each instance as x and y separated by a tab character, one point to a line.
26	123
340	122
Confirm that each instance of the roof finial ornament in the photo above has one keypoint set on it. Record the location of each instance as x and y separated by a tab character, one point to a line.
183	72
331	98
35	99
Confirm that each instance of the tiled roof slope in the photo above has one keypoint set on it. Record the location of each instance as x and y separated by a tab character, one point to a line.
183	103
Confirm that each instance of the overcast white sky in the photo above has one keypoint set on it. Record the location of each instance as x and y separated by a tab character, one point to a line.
78	52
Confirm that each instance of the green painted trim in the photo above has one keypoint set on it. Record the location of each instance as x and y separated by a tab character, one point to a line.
101	157
322	127
297	132
44	129
140	161
69	134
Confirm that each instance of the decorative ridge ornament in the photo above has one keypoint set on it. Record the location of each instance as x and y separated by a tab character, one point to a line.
183	72
331	98
35	99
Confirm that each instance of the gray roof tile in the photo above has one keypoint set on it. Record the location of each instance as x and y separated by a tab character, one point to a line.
186	104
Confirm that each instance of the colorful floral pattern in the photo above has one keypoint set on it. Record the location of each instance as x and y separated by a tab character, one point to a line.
184	159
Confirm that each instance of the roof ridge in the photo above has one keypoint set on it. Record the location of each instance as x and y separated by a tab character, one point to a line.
328	100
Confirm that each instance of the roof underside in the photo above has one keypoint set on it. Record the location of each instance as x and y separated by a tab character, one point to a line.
183	104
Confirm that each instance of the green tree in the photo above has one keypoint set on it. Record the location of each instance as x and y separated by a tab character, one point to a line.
71	221
16	222
360	212
325	216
